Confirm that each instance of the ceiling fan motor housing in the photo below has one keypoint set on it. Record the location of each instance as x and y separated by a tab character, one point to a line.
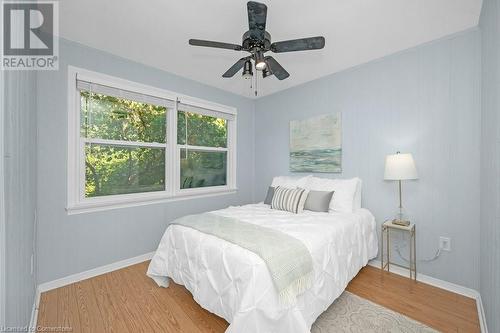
249	44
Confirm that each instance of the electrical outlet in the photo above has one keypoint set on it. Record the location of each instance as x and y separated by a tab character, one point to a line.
445	243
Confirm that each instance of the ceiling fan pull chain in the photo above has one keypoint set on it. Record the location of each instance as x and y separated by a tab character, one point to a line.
256	79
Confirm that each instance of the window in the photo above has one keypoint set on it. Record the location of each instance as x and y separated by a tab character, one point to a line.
124	142
129	143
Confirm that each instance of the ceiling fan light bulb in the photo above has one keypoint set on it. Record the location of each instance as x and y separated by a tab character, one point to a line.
260	66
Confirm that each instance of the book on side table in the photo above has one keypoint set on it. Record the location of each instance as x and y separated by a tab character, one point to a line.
404	223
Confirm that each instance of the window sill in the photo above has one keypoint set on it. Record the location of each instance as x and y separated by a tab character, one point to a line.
102	205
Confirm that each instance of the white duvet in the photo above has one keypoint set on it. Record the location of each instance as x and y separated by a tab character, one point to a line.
235	283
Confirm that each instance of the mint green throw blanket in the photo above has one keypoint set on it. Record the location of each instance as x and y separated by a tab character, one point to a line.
286	257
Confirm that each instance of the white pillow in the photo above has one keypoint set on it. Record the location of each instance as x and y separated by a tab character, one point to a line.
344	192
290	182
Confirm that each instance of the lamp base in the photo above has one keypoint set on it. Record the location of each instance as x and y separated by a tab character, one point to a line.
401	218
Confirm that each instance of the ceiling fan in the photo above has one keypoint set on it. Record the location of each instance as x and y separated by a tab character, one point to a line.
257	41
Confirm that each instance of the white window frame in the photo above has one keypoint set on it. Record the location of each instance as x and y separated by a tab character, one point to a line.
78	203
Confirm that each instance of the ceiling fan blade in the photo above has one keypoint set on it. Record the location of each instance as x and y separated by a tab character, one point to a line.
219	45
302	44
257	13
276	68
235	68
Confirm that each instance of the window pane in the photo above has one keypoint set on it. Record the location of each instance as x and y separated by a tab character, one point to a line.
203	168
119	170
108	117
201	130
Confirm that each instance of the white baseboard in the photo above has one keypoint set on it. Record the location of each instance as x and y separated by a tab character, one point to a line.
481	314
93	272
82	276
458	289
34	311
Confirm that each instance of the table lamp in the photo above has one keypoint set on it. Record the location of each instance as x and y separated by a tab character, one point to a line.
400	167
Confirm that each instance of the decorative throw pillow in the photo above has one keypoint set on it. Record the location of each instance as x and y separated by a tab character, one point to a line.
318	201
289	199
269	196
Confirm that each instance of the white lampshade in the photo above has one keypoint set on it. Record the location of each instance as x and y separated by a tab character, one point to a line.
400	167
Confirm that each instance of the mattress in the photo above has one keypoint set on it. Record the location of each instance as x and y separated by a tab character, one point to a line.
235	284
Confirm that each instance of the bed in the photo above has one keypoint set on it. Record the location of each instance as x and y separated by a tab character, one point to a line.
235	284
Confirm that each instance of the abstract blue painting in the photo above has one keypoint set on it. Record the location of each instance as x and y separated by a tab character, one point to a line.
316	144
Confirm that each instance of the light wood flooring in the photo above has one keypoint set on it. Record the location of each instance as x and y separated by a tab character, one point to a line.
127	300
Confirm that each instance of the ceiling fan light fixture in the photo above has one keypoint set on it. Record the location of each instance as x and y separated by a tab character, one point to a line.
260	63
266	72
247	70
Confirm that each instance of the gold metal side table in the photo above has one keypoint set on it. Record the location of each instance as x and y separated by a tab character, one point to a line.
386	227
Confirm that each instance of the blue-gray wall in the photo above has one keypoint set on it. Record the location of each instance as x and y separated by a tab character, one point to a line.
425	101
71	244
490	163
20	194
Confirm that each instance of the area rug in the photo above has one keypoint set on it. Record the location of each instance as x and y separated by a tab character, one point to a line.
353	314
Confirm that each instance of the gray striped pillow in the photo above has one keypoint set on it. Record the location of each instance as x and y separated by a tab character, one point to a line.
289	199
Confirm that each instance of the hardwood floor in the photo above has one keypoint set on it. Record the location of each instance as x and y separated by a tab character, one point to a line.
128	301
435	307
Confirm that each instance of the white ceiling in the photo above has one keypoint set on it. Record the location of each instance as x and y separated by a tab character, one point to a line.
156	33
